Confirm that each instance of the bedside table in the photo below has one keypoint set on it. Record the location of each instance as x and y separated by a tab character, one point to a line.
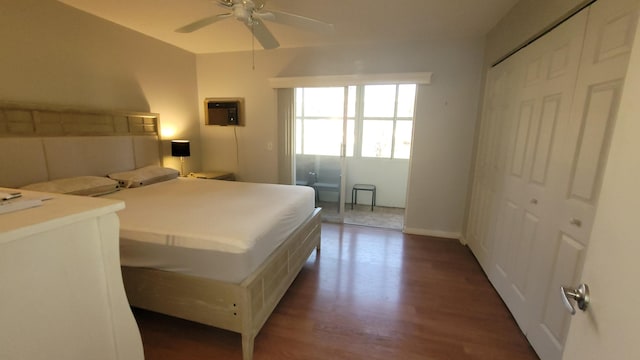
214	175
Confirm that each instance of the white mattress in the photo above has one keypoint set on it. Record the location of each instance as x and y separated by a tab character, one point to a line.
221	230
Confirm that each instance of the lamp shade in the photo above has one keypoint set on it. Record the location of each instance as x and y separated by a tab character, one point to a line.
180	148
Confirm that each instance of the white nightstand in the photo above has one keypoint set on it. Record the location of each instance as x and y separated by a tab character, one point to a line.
214	175
62	259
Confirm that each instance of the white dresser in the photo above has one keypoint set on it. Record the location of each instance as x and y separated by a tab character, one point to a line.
61	291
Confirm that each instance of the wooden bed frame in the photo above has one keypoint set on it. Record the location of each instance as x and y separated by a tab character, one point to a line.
32	135
242	308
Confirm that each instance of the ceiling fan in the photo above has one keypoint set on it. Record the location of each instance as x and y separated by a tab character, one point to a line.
251	13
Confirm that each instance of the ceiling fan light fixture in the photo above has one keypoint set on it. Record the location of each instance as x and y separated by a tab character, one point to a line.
240	12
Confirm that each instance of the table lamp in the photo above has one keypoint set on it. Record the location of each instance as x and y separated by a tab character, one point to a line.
180	148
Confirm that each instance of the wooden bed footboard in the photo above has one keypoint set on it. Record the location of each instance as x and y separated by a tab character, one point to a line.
242	308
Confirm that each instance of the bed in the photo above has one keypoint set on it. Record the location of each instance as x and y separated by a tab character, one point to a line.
194	273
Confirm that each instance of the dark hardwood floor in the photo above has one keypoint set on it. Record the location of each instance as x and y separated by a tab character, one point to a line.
370	294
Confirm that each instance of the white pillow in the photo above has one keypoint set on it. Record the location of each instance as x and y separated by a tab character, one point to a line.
144	176
80	185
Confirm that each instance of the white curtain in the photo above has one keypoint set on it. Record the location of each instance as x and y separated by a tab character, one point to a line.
286	136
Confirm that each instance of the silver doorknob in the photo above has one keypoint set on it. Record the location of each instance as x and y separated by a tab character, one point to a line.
579	295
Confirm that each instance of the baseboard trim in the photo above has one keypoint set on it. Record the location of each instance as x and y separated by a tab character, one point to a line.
434	233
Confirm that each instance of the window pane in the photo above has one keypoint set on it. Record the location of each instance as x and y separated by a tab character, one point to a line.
376	138
351	98
299	102
406	100
351	136
325	102
403	139
322	137
379	100
298	136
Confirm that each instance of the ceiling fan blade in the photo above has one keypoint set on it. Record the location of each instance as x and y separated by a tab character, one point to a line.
298	21
262	34
202	23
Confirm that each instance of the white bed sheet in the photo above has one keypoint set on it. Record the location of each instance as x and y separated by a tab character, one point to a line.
221	230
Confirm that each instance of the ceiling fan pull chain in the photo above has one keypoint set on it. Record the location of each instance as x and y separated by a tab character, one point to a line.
253	46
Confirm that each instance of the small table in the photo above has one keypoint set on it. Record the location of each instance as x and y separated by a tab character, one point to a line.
363	187
214	175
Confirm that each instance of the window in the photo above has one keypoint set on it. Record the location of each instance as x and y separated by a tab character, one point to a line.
319	125
379	120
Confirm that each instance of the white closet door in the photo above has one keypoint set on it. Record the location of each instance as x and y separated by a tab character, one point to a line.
548	115
609	328
534	167
608	41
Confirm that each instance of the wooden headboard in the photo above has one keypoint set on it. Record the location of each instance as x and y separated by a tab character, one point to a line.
41	143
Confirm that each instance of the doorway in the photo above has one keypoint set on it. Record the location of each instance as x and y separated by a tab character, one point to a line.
350	135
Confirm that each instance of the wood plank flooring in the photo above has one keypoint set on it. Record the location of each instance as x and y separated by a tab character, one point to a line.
370	294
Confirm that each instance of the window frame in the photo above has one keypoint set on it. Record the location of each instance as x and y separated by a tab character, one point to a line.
358	119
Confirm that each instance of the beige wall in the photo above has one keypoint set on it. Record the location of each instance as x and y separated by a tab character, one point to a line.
526	19
443	130
53	54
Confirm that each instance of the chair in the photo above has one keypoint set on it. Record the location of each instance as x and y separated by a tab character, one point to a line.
328	179
307	180
305	171
363	187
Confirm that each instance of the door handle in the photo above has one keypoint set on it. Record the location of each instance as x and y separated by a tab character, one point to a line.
579	295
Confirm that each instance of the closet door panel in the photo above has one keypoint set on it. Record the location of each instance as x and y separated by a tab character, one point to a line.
489	166
523	134
546	134
554	322
509	226
597	123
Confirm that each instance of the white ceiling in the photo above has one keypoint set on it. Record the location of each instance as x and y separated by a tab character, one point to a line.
355	21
